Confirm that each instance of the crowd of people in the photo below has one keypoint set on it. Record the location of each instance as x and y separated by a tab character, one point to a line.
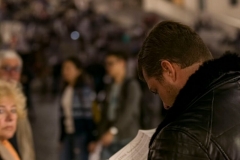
91	62
82	131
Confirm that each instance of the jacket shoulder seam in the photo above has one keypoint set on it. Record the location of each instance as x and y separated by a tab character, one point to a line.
220	149
190	136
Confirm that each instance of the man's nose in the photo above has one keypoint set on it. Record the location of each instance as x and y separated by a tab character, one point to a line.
166	106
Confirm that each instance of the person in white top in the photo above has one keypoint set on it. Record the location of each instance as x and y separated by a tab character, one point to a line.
77	124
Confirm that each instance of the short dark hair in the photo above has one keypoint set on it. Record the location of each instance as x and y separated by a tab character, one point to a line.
119	54
174	42
84	79
76	62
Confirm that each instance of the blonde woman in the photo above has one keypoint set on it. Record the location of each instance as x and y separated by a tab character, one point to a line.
12	104
10	70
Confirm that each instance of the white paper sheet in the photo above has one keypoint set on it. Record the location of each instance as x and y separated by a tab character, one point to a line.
137	149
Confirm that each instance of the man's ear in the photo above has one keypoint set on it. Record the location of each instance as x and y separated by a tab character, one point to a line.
169	71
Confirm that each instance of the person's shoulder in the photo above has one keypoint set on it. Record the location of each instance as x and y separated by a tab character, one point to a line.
174	129
181	131
174	142
172	136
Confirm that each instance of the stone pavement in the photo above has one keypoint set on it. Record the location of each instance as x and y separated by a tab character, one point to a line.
44	120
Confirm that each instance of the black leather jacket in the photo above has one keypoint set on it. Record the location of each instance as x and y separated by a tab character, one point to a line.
204	122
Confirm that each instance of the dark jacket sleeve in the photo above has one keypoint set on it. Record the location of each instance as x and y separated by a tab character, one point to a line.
130	107
103	125
178	145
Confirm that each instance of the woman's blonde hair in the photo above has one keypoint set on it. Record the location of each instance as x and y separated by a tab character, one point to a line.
14	91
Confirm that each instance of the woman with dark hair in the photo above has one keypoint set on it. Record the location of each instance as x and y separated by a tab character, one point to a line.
77	124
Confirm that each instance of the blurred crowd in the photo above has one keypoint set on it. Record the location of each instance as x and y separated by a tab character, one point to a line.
217	36
89	62
44	35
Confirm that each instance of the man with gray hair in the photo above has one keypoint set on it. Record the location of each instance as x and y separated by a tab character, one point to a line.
10	70
10	65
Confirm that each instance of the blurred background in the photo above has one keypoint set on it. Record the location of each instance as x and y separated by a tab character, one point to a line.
46	32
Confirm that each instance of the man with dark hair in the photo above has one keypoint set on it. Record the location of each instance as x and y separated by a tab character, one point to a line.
121	109
201	94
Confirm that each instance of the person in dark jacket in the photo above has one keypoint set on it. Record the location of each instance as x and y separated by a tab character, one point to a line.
121	107
201	94
77	124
